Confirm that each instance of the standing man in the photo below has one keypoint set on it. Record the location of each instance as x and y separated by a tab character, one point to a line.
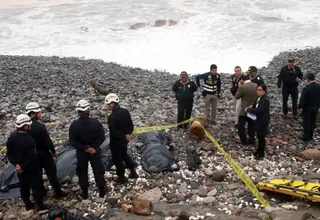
121	127
86	135
248	94
22	154
45	148
309	103
235	85
184	89
255	77
211	89
290	76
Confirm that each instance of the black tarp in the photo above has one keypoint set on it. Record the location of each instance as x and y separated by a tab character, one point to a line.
9	183
157	154
66	168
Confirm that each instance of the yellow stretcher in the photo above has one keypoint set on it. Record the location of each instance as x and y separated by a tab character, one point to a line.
298	188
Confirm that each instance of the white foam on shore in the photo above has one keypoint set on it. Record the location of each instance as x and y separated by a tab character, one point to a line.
222	32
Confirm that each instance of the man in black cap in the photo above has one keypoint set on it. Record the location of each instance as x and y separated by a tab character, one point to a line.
290	76
309	103
255	77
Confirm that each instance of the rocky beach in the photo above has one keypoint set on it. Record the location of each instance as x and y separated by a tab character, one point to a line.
213	191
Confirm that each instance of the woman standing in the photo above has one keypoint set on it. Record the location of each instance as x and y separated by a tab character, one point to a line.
260	109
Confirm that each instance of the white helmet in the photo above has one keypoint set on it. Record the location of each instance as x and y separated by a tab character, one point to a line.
111	97
33	107
23	120
83	105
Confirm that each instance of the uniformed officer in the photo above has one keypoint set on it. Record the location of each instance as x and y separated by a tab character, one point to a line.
184	89
211	89
289	78
120	127
21	152
45	148
86	135
309	103
235	85
255	77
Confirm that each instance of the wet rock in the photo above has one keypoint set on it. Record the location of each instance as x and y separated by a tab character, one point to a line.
219	175
153	195
310	154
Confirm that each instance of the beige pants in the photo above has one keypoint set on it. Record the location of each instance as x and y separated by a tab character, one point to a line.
211	102
237	107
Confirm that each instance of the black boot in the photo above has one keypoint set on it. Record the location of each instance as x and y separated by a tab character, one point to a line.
121	179
133	174
103	191
84	194
61	194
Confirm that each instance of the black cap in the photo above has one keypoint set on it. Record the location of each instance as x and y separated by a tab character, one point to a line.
291	60
310	76
252	69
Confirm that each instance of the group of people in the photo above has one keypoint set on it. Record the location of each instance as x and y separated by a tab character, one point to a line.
31	150
251	103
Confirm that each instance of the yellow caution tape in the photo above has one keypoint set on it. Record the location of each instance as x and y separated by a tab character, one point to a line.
243	176
155	128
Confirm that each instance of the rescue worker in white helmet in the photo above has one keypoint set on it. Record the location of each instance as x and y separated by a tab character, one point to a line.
86	135
45	148
120	127
21	152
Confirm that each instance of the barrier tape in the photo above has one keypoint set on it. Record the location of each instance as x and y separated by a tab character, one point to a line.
164	127
240	172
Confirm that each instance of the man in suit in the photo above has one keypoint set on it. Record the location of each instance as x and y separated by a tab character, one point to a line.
247	93
309	103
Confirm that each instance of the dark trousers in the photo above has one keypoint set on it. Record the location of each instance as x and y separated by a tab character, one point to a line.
242	132
120	157
309	122
97	167
261	144
293	91
184	112
33	182
46	162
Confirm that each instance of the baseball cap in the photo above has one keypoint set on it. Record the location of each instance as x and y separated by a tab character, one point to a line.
291	60
252	69
310	76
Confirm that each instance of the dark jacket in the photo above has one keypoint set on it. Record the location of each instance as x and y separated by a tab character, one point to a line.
40	134
211	83
261	108
21	149
310	97
288	76
86	132
235	84
258	80
120	124
184	92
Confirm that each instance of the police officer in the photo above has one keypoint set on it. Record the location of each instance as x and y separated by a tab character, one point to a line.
86	135
255	77
235	85
309	103
211	89
290	76
21	152
45	148
120	127
184	89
